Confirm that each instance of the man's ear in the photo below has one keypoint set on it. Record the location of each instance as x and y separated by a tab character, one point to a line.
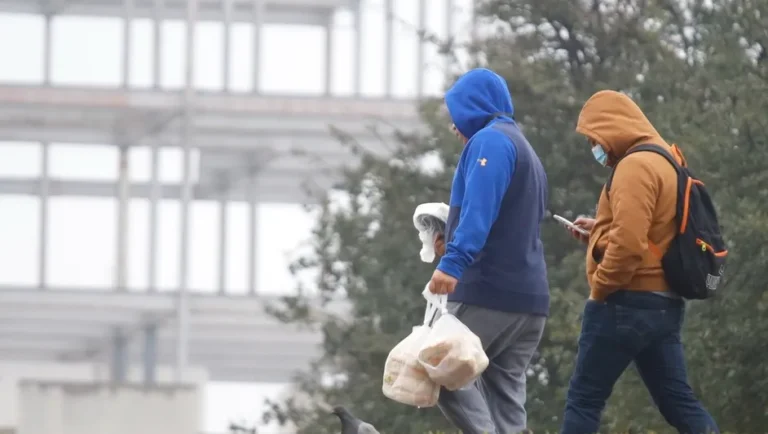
458	134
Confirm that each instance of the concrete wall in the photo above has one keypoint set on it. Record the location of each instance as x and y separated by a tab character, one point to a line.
14	375
51	408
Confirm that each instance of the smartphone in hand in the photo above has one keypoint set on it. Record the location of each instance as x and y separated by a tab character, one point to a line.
569	224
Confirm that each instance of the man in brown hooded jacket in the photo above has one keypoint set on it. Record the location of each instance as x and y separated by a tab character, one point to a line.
631	314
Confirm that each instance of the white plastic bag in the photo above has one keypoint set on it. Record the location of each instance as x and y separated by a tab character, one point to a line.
451	354
427	252
405	379
429	219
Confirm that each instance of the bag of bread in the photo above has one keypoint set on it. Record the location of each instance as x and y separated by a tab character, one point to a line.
405	379
451	354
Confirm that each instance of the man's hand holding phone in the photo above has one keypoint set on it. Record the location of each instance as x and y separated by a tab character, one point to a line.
584	223
579	229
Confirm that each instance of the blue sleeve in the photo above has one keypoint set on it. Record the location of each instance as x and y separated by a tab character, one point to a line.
488	170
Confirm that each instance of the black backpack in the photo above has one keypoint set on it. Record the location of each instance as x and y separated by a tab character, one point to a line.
695	261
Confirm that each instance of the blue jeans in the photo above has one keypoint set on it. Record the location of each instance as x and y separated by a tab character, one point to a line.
633	327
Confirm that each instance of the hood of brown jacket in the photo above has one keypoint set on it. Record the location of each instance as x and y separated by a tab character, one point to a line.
613	120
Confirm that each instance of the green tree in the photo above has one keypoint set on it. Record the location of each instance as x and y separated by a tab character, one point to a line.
718	108
698	69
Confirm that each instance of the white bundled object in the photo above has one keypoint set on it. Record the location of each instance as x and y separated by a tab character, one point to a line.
405	379
451	354
429	219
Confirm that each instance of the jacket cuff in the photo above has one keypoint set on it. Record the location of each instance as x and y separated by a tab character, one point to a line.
450	267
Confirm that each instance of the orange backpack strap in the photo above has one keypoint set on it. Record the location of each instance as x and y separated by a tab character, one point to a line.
679	157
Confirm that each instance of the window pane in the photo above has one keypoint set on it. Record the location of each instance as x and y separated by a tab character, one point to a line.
83	162
209	56
27	64
82	242
173	54
142	55
204	247
20	159
19	232
283	74
168	245
237	248
79	58
138	242
241	58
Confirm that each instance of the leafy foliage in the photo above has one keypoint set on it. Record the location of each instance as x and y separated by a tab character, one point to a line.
699	70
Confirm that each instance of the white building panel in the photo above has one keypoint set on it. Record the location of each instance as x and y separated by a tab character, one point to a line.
18	382
70	408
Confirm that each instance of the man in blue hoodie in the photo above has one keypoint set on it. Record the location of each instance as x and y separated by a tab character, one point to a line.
493	266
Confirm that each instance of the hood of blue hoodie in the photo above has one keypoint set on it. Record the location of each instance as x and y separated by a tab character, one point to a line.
475	97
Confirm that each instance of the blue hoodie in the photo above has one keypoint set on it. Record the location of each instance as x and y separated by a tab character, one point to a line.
498	201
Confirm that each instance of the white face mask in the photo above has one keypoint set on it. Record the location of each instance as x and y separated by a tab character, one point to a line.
600	156
427	252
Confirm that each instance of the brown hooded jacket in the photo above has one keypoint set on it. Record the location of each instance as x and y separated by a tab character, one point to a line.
642	203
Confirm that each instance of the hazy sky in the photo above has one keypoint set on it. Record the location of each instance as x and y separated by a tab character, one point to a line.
82	230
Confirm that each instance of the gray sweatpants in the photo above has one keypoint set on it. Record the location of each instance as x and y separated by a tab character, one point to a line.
495	403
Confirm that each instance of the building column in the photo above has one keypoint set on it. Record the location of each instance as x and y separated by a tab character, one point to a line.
119	370
42	270
226	48
389	49
123	215
47	49
329	48
127	42
358	49
449	32
154	202
473	25
182	307
258	24
157	42
150	354
223	234
253	225
421	52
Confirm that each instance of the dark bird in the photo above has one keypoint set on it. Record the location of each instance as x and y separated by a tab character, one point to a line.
352	425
